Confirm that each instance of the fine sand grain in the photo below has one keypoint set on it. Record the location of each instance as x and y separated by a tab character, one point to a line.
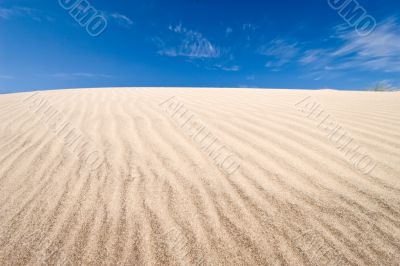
113	177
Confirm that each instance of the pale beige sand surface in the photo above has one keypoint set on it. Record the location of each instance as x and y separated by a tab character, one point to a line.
159	199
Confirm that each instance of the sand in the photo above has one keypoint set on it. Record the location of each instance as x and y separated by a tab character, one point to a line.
156	176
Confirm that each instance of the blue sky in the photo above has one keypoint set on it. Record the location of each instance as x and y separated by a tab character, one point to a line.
272	44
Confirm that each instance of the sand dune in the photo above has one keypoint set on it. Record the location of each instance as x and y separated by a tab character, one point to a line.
153	176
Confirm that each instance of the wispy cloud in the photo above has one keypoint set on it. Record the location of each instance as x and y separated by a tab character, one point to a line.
279	48
190	44
249	26
19	11
233	68
280	52
121	19
379	51
6	13
6	77
38	15
77	75
311	56
228	31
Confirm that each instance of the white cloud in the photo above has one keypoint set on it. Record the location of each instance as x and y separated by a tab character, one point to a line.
311	56
191	44
177	28
18	11
279	48
249	26
233	68
280	52
6	77
121	19
228	31
379	51
78	75
384	41
6	13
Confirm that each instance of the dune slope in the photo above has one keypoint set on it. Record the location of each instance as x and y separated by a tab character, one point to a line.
152	176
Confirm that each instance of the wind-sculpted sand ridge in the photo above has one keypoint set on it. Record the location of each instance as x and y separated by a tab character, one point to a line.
154	176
